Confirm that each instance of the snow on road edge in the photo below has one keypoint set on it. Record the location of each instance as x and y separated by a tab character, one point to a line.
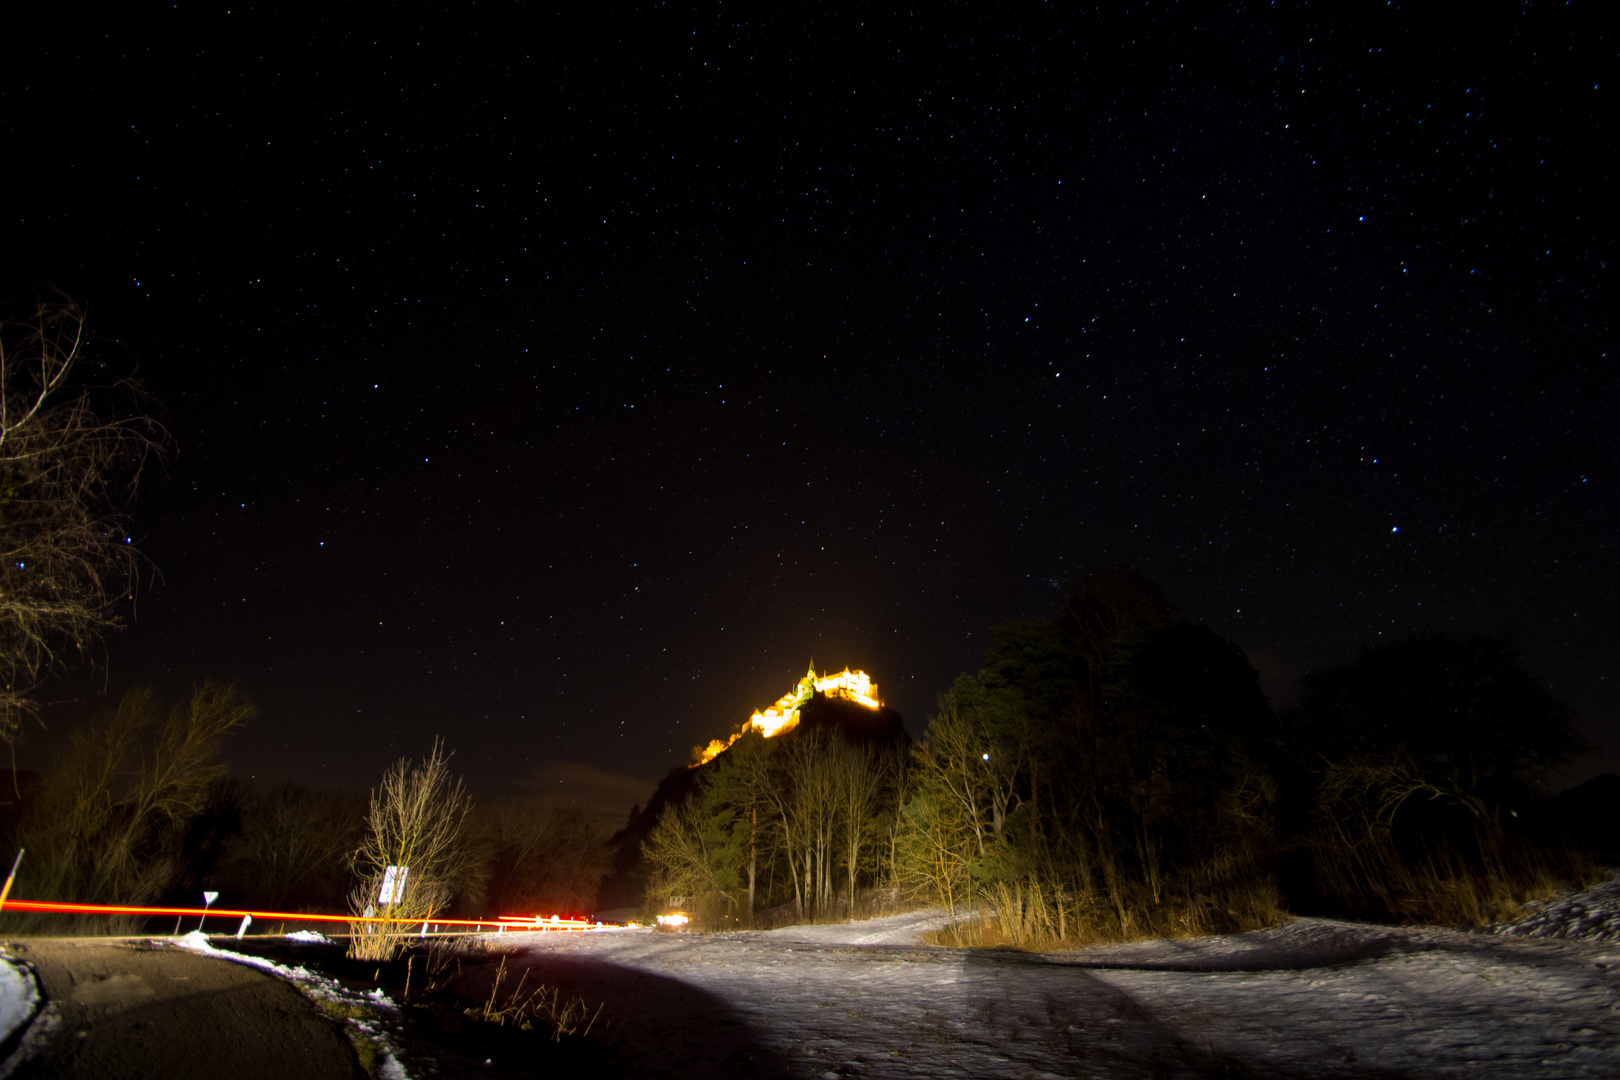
1592	914
316	987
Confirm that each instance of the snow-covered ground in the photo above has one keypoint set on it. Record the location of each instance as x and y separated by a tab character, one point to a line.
19	1001
1314	997
1590	915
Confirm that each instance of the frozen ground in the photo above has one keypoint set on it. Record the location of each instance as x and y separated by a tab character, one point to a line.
19	1001
1590	915
1314	997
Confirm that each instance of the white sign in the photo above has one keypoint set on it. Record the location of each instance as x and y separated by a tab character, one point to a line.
393	886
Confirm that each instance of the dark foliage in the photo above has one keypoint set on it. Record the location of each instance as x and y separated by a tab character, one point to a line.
1416	778
1587	816
1119	768
1463	711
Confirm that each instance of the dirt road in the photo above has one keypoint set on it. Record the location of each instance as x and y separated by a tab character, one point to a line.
117	1010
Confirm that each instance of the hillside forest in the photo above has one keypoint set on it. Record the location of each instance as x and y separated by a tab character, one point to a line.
1116	771
1112	772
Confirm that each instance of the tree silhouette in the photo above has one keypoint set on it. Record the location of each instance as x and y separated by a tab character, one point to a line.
1458	719
68	463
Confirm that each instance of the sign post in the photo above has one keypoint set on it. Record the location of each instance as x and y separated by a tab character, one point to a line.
393	885
208	899
11	877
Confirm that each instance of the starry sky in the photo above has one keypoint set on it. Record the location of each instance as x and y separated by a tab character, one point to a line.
563	383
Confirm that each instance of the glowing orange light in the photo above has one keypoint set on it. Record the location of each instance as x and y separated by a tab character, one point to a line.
541	922
850	685
853	685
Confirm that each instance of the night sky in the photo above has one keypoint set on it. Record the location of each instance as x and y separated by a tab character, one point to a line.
563	383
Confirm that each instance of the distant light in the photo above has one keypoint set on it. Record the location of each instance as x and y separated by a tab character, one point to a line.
1396	529
987	757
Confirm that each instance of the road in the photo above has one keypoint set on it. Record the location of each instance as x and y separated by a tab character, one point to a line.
1310	998
129	1010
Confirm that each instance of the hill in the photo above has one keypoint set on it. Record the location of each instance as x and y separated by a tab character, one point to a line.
843	704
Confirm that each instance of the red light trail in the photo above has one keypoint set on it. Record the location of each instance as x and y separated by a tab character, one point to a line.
512	922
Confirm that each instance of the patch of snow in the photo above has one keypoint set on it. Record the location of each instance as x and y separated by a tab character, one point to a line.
318	987
36	1038
19	996
19	1002
1589	915
1312	997
309	937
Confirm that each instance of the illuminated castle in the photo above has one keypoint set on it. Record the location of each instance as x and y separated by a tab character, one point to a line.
784	715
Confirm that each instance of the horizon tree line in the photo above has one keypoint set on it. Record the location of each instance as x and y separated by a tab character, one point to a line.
1117	771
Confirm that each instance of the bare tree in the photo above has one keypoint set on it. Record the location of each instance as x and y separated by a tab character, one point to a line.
812	776
415	826
859	785
68	463
115	808
958	759
935	845
685	853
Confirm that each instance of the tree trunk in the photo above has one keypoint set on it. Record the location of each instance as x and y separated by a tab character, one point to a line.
798	894
753	860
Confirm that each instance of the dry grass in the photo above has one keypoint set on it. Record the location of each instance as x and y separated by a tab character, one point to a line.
1035	917
527	1008
1439	886
437	974
437	961
1435	887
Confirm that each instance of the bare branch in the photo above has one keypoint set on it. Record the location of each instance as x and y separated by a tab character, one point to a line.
69	463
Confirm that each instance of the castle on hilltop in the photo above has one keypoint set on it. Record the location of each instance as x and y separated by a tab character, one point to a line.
847	685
